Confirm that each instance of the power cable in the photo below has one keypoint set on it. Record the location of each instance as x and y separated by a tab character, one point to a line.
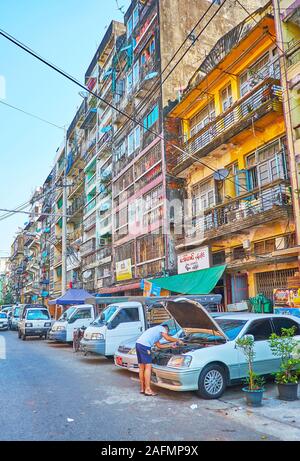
31	115
138	122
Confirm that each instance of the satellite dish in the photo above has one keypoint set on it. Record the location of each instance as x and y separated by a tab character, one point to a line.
221	174
87	274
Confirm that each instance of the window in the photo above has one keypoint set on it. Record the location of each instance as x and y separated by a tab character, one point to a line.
264	247
205	116
285	322
260	329
37	314
129	82
135	16
120	150
82	314
148	52
129	26
218	258
266	66
226	96
126	316
151	118
203	197
134	140
231	327
238	253
136	73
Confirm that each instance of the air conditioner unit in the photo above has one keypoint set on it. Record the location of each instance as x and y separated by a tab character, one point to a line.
281	243
246	244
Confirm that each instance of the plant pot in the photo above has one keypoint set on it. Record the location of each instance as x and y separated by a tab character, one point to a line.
253	397
288	392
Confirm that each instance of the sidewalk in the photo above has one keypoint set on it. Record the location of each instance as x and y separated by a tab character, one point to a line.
274	418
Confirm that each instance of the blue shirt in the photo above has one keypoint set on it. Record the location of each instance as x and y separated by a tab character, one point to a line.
151	336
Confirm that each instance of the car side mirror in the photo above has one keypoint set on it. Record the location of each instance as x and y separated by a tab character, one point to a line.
72	320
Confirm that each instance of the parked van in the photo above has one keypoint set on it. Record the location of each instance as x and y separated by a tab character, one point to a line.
34	320
75	317
14	318
122	321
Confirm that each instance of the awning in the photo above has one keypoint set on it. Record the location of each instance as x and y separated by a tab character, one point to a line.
72	296
193	283
119	288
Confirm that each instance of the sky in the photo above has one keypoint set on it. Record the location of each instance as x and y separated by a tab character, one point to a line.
67	33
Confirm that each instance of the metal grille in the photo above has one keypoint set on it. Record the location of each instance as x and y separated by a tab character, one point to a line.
267	281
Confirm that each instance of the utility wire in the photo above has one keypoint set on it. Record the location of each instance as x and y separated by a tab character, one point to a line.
74	80
32	115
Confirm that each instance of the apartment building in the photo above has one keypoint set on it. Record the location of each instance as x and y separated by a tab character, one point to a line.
144	90
235	165
96	249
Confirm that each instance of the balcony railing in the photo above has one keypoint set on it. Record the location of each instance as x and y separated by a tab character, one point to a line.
293	52
88	247
89	222
90	182
271	203
77	204
90	206
103	254
263	99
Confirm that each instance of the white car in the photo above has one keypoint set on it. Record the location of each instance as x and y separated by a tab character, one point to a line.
209	360
3	321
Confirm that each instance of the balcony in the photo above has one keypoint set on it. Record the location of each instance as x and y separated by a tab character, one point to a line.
293	53
57	260
104	255
88	247
104	144
266	98
270	203
91	181
76	206
89	119
89	222
76	186
75	235
90	206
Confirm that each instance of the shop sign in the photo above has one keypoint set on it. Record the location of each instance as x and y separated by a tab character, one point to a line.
123	270
194	260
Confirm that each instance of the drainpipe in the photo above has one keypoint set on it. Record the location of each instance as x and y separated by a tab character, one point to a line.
288	122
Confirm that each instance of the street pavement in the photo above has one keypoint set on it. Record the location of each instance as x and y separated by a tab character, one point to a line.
48	392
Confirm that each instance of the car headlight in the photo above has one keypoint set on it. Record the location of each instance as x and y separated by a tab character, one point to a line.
28	325
60	328
132	351
97	336
180	361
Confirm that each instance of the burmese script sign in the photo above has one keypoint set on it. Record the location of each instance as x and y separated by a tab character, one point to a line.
193	260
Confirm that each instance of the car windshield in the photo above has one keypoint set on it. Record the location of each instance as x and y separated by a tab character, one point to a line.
16	312
106	315
231	327
37	314
65	316
3	315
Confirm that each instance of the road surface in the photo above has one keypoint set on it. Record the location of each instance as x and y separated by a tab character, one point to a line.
48	392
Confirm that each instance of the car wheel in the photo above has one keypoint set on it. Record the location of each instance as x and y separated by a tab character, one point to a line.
212	382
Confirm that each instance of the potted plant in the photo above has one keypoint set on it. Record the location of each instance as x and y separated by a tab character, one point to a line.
255	383
287	378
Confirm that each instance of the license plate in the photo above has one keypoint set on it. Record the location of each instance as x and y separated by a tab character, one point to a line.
119	361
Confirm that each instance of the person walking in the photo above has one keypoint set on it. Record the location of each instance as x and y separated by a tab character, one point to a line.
144	343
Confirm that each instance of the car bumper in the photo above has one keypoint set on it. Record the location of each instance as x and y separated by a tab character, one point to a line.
4	326
60	336
175	380
95	346
126	361
36	331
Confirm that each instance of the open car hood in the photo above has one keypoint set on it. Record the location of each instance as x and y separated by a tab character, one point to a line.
193	318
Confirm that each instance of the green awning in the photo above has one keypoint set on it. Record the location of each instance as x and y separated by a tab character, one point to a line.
192	283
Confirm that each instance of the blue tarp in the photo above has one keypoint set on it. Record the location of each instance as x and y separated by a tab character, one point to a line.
72	296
